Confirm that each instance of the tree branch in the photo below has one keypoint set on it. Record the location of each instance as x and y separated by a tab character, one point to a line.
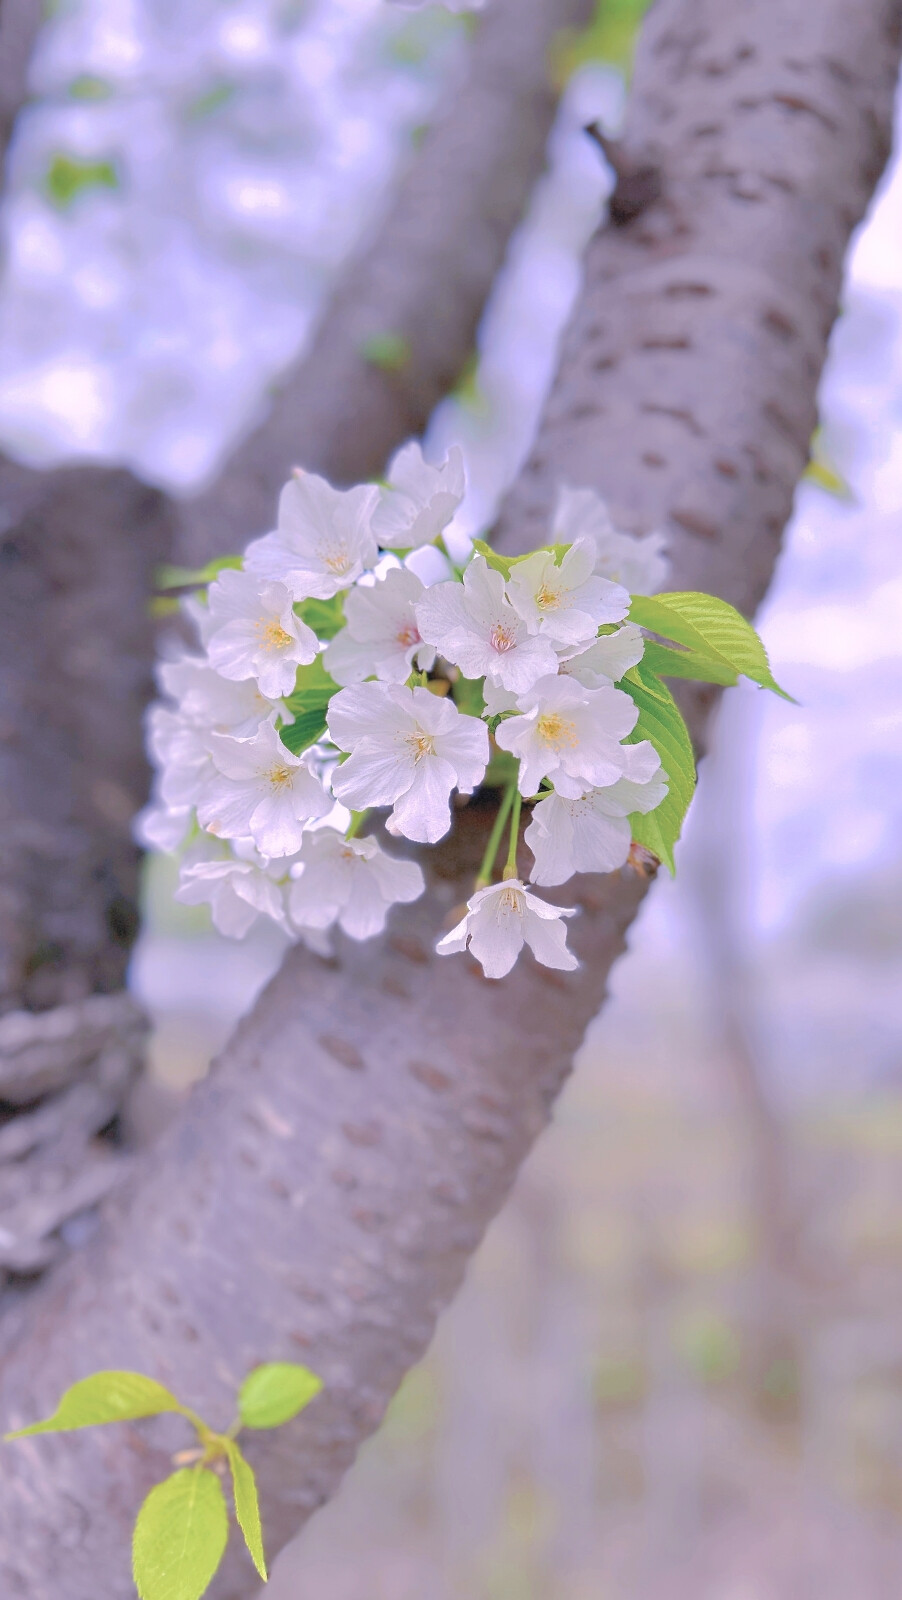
20	22
323	1194
420	283
79	547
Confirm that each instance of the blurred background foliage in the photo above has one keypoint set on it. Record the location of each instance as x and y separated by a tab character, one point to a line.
675	1372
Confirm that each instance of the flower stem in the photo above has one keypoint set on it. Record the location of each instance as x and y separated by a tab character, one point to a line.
491	850
358	818
510	866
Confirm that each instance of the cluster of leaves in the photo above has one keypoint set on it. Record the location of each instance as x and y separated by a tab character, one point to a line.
182	1528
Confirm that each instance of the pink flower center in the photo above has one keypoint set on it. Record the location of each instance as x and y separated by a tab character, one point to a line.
502	638
408	635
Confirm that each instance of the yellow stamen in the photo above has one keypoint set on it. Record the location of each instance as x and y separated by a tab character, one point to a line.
555	730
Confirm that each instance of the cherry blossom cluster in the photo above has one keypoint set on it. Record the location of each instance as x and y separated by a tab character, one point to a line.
347	665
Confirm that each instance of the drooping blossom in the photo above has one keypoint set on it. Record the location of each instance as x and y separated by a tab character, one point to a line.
237	888
254	633
409	750
323	540
349	881
419	500
588	834
474	626
639	564
573	735
503	917
382	636
260	789
563	599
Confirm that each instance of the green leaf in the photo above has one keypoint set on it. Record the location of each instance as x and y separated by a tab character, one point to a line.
660	721
500	563
105	1397
247	1506
313	689
670	663
180	1536
505	564
303	732
169	577
274	1393
66	178
468	696
709	626
389	351
325	617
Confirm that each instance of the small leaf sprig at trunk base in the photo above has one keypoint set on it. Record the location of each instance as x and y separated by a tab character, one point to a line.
182	1528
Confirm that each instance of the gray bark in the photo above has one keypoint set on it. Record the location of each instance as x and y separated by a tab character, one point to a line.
322	1195
423	279
77	551
20	21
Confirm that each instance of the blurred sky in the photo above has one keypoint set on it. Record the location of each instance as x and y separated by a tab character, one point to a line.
181	193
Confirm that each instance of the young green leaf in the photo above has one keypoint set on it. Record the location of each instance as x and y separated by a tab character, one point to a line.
304	731
276	1392
670	663
709	626
168	577
105	1397
180	1536
661	722
247	1506
500	563
313	689
325	617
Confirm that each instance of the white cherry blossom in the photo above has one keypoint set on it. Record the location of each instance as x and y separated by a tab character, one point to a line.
409	750
254	633
419	500
591	833
324	538
474	626
260	789
210	701
181	752
639	564
382	637
502	918
573	735
349	881
564	600
237	891
605	660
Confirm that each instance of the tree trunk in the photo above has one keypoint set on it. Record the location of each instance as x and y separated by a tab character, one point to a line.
76	645
329	1181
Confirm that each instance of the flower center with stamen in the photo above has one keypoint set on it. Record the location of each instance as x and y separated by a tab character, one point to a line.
555	730
420	744
280	777
548	599
408	635
502	638
510	899
272	635
337	560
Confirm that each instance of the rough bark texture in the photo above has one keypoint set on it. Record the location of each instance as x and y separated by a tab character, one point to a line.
77	549
422	280
20	21
323	1193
